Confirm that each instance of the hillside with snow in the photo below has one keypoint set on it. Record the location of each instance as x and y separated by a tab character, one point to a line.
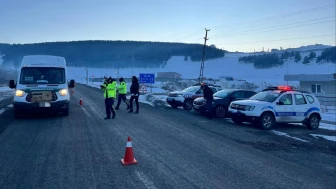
221	67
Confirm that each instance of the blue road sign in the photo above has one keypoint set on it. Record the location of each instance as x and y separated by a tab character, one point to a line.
147	78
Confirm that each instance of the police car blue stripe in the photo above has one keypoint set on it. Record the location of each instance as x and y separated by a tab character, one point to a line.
292	113
310	110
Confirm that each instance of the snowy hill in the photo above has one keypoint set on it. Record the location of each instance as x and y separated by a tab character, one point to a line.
317	47
221	67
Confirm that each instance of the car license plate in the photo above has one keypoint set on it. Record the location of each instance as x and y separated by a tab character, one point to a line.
44	104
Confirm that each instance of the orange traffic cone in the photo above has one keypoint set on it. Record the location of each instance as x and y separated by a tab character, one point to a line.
81	101
129	157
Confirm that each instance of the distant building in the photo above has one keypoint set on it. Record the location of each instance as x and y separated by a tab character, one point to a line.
168	75
321	85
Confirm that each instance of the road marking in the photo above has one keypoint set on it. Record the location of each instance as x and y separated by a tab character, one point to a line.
86	112
143	178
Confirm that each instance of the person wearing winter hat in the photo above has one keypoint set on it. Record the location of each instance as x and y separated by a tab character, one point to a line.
122	89
110	89
134	94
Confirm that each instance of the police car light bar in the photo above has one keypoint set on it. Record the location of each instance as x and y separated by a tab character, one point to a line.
285	87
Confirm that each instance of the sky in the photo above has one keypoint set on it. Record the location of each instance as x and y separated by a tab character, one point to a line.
235	25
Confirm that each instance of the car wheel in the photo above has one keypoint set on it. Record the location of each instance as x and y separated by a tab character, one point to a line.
267	121
220	111
188	104
174	106
313	122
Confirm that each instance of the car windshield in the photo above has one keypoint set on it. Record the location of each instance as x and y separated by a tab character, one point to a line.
222	93
42	75
191	89
267	96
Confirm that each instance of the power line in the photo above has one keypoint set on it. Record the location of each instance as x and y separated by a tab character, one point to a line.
279	39
263	19
244	32
275	29
278	16
215	36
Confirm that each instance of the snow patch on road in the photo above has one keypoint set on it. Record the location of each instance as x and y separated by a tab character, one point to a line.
327	126
322	126
285	134
331	138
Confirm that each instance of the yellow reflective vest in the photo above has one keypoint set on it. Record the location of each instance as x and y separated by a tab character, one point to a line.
122	88
110	89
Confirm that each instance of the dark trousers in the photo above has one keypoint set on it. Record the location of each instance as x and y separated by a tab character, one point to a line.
209	105
109	107
136	98
122	97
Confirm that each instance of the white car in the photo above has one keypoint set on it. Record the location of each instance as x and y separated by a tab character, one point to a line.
187	96
278	105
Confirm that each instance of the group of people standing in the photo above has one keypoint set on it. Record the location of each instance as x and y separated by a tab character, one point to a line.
110	89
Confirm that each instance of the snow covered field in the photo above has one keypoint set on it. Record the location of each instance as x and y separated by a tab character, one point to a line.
227	66
6	92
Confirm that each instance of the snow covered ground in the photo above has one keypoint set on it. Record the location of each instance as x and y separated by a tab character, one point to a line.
6	92
221	67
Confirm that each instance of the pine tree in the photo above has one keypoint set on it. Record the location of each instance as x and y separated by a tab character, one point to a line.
312	55
297	56
306	60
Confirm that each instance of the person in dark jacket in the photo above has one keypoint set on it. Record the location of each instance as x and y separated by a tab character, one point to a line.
134	89
208	96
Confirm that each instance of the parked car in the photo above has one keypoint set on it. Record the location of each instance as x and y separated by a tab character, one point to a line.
186	97
281	104
222	100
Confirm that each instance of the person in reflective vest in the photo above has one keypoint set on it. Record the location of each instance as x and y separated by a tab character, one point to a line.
110	90
122	89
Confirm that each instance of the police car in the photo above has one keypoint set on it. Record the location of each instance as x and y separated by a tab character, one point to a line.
280	104
186	97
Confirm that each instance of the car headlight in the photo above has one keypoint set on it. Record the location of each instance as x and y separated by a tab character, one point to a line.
63	92
249	108
19	93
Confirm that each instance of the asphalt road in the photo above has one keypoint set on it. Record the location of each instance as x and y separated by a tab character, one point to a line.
175	149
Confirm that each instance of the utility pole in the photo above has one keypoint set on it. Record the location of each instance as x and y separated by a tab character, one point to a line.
87	75
203	55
